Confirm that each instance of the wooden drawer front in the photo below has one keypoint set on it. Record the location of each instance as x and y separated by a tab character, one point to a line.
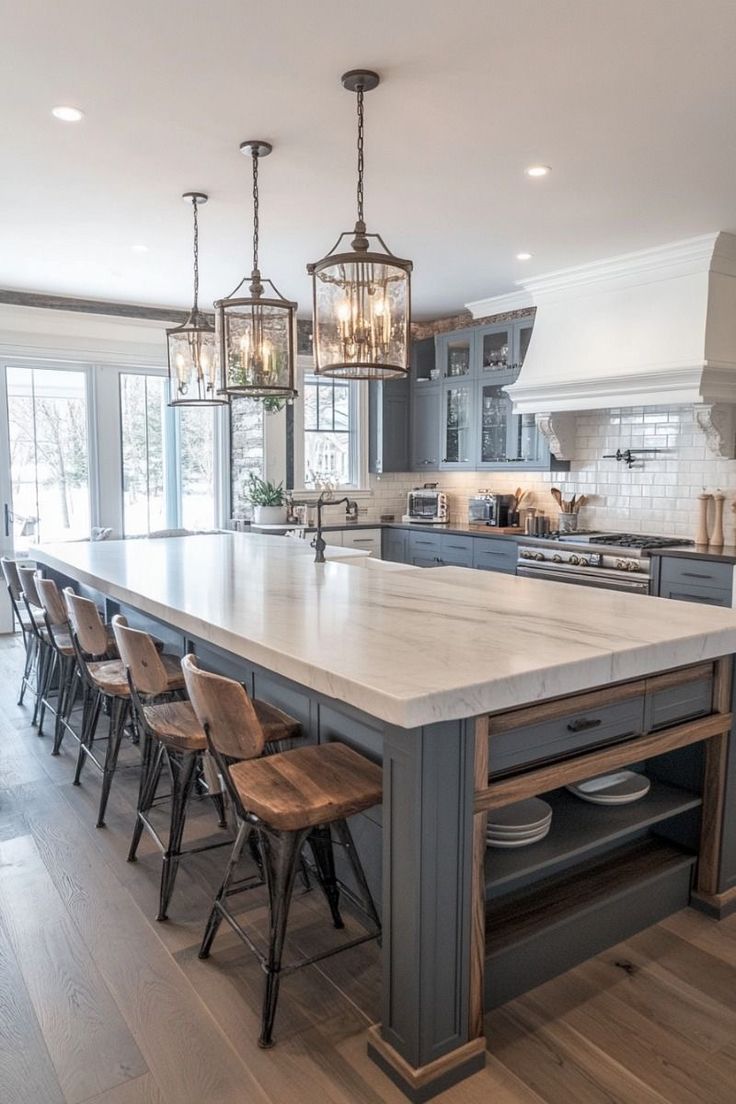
563	736
457	550
691	574
425	545
686	592
679	703
490	554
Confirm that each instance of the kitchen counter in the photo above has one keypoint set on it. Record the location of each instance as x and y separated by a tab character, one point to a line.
436	673
726	555
410	649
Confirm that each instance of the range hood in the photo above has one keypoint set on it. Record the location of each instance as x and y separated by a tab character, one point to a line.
652	327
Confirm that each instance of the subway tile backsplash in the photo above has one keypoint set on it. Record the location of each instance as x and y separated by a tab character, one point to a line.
658	495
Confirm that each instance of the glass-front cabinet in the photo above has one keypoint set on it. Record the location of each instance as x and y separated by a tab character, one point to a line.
496	349
458	428
456	354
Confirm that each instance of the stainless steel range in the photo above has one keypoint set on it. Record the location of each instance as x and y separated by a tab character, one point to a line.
616	561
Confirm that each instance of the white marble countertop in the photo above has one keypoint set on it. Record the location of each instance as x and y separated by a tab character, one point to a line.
409	647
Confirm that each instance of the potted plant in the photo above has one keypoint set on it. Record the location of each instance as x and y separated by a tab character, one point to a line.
268	501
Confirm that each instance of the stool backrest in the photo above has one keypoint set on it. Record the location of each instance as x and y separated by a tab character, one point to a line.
225	712
27	576
51	602
12	578
86	622
138	653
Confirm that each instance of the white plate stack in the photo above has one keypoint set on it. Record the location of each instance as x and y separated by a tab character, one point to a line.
520	824
620	788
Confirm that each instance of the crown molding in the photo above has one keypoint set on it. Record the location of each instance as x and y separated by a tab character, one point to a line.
500	304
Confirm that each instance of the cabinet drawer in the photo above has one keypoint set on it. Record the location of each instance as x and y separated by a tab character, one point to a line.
369	539
679	703
425	544
491	554
568	735
457	551
687	574
686	592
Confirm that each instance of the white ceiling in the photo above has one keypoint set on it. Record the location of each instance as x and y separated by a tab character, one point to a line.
631	102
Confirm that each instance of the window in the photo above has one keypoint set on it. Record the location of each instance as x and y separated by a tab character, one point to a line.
331	431
168	459
49	455
247	448
142	416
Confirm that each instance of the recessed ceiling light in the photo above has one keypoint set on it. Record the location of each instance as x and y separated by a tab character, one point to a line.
67	114
537	170
139	248
523	256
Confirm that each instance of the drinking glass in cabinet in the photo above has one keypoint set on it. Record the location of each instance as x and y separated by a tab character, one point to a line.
494	425
457	426
496	351
457	361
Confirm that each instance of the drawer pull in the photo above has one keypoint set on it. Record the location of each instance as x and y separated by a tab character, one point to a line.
582	724
696	575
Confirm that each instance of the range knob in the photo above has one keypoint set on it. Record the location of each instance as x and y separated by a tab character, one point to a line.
574	559
525	555
583	561
632	565
538	555
557	558
621	565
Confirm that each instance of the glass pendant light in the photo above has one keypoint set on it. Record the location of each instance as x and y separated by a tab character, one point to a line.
256	334
362	297
192	363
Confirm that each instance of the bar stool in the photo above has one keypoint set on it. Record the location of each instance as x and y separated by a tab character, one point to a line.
37	618
28	626
173	736
63	664
288	799
105	681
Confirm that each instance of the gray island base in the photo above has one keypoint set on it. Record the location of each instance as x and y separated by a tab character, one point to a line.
474	693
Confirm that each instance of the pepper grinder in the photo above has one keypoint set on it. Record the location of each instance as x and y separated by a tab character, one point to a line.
701	535
716	541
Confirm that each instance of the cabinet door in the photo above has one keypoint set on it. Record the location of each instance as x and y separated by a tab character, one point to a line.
495	348
425	428
388	423
423	359
458	428
394	545
456	353
367	539
497	425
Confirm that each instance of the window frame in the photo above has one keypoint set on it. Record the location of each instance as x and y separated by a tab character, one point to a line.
305	366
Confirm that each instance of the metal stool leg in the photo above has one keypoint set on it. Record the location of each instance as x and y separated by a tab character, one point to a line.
153	755
67	696
44	660
118	714
215	918
345	837
182	783
320	842
88	732
53	668
30	645
281	851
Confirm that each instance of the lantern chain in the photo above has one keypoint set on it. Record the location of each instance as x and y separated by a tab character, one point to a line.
255	210
196	254
360	153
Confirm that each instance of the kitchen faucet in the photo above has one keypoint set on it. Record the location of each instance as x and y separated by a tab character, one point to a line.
351	511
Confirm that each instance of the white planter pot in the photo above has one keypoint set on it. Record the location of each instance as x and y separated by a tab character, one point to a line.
269	515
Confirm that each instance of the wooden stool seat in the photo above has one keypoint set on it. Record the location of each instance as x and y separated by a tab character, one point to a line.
175	723
308	786
62	641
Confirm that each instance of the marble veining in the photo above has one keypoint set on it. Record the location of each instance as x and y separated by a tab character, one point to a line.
409	647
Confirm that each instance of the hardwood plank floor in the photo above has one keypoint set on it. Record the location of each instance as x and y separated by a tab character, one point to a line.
99	1004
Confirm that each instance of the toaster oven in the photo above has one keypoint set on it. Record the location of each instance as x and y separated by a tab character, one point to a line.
426	504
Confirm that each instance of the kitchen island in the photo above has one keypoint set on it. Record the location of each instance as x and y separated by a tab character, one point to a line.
475	691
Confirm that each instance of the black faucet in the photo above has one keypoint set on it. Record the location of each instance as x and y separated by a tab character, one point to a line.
319	544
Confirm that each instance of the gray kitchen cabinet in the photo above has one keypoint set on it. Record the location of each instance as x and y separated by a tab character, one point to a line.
388	424
394	545
457	353
423	359
495	348
424	548
493	554
456	551
694	580
425	427
457	419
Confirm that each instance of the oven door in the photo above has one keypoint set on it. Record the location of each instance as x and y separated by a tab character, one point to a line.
604	580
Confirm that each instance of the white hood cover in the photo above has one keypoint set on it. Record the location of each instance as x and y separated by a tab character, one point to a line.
658	326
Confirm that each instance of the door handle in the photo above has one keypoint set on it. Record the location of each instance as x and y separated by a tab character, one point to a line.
7	520
582	724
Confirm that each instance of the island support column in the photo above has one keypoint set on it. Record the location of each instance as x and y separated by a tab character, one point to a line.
428	1037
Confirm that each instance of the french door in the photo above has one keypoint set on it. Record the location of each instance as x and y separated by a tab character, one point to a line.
45	454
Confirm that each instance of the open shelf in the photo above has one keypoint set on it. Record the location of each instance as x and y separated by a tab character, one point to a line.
535	934
579	828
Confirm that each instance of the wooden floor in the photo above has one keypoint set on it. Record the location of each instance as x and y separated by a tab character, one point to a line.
99	1003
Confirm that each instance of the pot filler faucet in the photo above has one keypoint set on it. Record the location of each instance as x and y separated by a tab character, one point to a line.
351	511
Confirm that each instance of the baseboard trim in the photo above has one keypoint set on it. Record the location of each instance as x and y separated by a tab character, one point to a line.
719	905
423	1083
